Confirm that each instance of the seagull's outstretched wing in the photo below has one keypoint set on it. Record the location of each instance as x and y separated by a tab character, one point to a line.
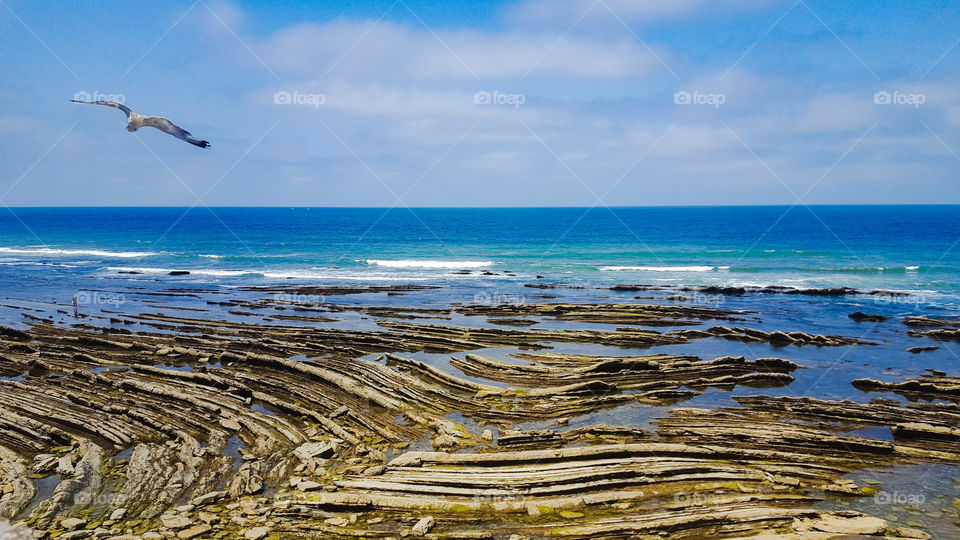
126	110
169	127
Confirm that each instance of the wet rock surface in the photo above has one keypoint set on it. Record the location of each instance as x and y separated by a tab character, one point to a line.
174	424
929	387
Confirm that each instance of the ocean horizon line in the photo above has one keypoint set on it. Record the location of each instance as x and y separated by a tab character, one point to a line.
663	206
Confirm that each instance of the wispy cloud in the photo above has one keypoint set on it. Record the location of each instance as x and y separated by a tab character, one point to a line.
397	52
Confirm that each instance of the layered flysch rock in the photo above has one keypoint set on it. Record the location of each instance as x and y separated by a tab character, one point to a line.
158	425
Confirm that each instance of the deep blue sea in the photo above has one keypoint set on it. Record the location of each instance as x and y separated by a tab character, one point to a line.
890	247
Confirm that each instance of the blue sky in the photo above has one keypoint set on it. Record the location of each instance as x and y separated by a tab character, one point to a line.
502	103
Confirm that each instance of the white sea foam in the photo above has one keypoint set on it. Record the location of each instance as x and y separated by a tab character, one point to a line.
206	256
31	263
69	252
339	276
662	268
407	263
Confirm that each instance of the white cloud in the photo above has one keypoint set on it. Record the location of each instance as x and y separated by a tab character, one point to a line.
388	51
563	13
837	112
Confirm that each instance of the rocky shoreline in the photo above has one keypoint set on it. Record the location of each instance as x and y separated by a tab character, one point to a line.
172	424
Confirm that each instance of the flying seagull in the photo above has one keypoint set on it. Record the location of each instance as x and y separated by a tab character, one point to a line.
136	121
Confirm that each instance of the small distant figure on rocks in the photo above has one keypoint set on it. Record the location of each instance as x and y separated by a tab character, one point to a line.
76	313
